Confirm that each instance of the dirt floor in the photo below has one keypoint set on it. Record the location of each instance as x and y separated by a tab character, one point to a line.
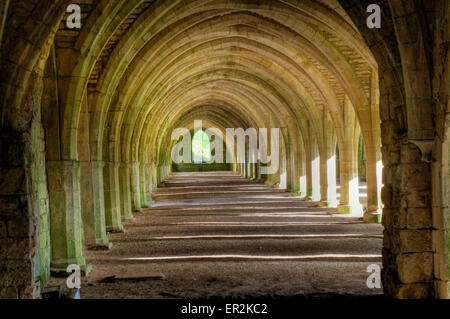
218	235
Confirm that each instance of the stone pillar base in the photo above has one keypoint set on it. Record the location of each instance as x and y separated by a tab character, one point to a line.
259	180
350	209
115	229
372	217
328	203
99	245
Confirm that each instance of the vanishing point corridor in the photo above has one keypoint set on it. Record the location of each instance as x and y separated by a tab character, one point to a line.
216	234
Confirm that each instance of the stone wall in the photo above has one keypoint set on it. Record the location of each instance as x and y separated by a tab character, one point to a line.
24	213
24	223
411	180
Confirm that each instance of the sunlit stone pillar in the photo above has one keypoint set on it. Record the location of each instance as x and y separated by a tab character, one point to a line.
308	171
125	191
348	163
112	197
282	172
328	167
326	182
295	168
65	215
142	186
301	169
331	199
374	169
349	200
93	205
313	170
315	174
374	165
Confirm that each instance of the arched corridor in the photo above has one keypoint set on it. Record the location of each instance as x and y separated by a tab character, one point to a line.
300	98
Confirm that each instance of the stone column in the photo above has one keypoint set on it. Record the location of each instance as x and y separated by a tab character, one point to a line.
125	191
312	170
300	166
374	169
160	174
253	171
331	200
323	178
258	170
348	164
295	167
349	200
149	183
308	172
142	180
249	170
315	173
112	197
374	166
154	176
292	174
328	167
135	187
65	215
93	205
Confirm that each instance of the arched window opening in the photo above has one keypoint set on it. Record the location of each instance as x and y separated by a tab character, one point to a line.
201	148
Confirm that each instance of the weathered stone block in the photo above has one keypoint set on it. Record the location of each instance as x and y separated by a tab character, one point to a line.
17	249
415	267
18	227
12	181
9	293
411	154
18	271
9	205
415	241
418	218
415	291
3	232
386	195
419	199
